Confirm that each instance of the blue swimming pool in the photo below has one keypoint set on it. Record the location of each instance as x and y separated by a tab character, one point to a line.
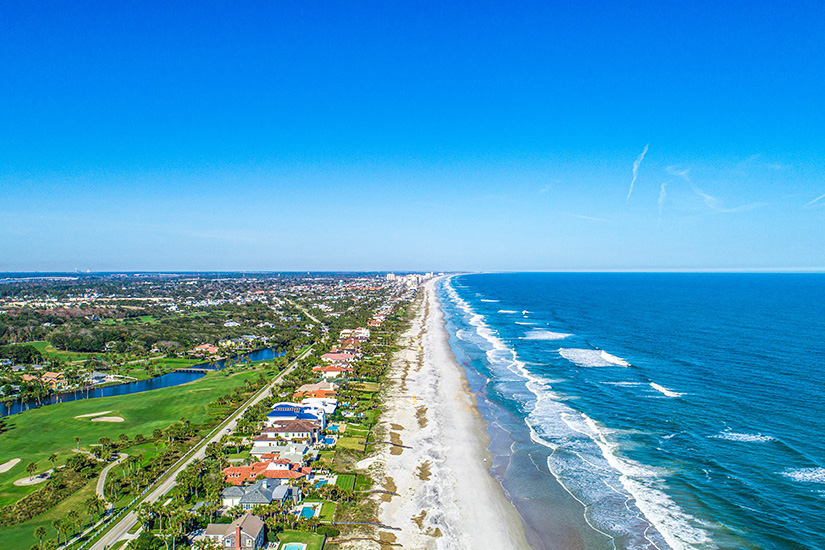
321	482
307	512
294	546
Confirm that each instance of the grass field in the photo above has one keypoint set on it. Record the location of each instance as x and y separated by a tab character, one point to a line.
46	349
345	481
328	511
33	435
313	541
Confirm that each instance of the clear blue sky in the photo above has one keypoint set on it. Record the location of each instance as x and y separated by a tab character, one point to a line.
488	136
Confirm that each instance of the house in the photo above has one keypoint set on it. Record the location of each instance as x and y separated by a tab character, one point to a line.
293	411
327	404
205	348
321	389
29	378
303	430
273	468
338	358
246	532
333	371
263	492
294	452
54	380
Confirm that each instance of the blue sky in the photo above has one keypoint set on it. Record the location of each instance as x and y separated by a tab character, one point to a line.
483	136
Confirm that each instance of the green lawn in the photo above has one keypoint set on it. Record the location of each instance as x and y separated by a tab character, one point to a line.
33	435
328	511
22	535
345	481
313	541
46	349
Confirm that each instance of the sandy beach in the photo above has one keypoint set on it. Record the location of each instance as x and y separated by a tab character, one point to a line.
444	496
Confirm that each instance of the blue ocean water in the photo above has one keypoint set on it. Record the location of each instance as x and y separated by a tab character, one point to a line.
651	410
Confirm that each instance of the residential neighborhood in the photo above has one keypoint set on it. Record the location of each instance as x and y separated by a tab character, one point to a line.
301	359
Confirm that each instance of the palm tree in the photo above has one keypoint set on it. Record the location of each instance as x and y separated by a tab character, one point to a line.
77	442
58	526
72	518
94	505
40	532
31	468
52	459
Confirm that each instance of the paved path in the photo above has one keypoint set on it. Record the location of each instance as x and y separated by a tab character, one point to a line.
101	481
121	528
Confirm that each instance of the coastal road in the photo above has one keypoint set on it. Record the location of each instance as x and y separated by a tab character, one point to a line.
122	527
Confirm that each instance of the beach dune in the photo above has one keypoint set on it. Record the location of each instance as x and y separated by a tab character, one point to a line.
439	493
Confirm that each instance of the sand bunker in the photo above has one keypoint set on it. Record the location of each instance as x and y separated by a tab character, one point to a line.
108	419
92	414
6	466
34	480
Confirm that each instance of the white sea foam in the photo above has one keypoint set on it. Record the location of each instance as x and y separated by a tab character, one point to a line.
541	334
592	358
806	475
491	301
527	323
625	384
745	438
507	311
665	391
614	489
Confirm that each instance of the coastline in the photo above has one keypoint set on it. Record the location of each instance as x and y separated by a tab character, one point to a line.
438	490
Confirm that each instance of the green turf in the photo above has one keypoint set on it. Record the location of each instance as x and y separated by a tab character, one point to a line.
328	511
312	540
22	535
345	481
46	349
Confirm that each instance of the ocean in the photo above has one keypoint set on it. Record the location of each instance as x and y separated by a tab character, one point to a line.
651	411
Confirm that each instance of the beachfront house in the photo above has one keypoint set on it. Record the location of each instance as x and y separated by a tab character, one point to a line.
301	430
274	468
246	532
333	371
263	492
322	389
294	411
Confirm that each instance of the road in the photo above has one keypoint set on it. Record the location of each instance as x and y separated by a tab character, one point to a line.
122	527
101	481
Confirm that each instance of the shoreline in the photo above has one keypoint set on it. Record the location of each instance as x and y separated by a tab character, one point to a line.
439	490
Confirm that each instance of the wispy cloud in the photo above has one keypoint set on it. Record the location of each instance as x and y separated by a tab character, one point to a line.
710	201
662	196
586	217
683	173
816	200
636	165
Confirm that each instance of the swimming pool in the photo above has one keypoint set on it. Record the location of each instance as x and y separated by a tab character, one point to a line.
307	512
293	546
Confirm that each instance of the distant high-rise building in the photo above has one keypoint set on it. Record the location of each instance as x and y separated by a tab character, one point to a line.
390	276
